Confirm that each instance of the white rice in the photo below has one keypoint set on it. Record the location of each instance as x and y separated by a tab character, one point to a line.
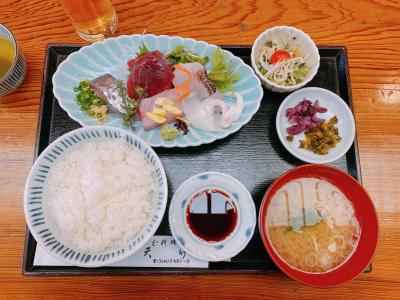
100	195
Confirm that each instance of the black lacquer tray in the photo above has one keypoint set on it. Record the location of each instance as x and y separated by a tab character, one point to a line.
254	155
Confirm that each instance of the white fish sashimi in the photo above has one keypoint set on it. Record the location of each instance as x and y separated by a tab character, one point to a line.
234	112
205	108
201	114
211	114
200	83
148	105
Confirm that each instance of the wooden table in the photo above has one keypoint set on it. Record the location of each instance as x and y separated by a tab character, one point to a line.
369	29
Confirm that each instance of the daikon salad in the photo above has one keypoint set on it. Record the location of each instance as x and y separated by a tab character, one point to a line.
282	63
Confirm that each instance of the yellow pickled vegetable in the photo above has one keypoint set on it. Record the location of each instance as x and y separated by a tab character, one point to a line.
322	138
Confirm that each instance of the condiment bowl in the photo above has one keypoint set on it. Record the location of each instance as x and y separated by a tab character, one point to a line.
239	234
364	211
284	34
336	107
42	225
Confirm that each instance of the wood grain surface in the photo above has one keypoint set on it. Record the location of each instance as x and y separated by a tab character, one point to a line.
370	29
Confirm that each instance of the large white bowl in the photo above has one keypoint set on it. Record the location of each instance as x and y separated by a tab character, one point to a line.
286	33
42	226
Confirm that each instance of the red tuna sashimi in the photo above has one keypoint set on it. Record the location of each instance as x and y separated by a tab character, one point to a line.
150	71
148	105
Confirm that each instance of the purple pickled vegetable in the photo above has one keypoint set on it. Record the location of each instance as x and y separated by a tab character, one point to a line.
315	119
304	117
295	129
319	108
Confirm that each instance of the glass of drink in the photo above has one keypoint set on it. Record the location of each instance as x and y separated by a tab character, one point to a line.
93	20
12	63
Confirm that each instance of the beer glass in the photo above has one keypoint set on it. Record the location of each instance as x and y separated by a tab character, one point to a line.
93	20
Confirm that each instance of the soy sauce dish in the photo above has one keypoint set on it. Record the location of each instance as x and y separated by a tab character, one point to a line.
319	225
212	216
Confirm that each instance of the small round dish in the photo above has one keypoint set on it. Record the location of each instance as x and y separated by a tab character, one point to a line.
364	211
285	34
238	237
335	105
43	226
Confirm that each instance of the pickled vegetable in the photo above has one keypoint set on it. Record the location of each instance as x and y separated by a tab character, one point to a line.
322	138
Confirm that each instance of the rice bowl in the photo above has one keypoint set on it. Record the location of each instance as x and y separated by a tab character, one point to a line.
87	189
95	196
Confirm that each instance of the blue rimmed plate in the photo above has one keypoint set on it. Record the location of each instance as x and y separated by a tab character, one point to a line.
238	238
43	228
111	56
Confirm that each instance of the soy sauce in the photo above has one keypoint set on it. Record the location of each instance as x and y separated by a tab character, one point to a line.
211	215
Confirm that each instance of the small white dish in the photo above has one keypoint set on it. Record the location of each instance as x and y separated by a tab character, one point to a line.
284	34
236	240
42	225
335	105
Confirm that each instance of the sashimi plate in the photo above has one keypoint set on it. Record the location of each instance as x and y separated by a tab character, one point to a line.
111	56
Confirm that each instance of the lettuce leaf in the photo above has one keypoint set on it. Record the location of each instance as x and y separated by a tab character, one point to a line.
221	72
181	56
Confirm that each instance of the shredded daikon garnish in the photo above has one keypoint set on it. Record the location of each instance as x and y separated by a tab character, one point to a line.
282	64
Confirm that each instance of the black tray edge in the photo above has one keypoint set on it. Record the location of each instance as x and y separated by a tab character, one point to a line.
36	271
350	95
25	270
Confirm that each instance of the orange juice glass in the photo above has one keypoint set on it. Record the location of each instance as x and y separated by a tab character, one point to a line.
93	20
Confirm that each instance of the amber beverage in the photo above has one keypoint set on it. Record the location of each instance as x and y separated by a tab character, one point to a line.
93	20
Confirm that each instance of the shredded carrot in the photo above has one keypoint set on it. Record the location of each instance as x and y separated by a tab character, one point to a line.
187	72
184	91
184	88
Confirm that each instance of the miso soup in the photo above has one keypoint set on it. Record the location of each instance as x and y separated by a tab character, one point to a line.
312	225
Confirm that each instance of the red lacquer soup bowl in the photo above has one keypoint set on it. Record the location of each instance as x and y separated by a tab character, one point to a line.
365	214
